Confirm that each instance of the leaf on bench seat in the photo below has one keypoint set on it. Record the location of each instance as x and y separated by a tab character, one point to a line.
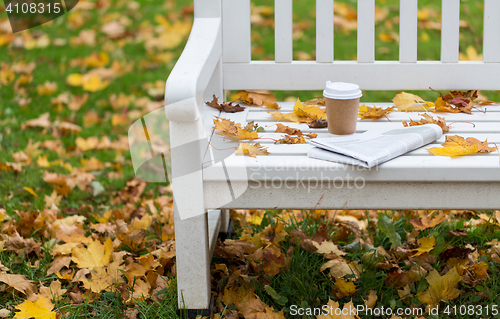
457	146
234	131
258	98
406	102
427	119
252	150
228	107
373	113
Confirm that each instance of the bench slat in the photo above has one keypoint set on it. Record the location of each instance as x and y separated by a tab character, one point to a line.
381	75
403	116
366	31
408	31
403	168
491	38
324	30
236	26
283	15
450	29
288	107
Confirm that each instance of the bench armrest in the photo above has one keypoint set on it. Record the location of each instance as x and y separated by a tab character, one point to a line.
189	78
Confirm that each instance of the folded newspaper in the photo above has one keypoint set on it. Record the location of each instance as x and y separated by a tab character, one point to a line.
374	147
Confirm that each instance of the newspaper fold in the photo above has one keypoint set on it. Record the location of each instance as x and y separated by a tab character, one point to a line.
374	147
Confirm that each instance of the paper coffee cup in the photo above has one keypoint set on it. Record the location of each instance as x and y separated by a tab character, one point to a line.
342	107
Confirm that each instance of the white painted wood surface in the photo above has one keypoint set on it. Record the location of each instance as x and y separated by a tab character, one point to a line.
408	31
491	33
450	26
236	26
324	31
366	31
283	15
381	75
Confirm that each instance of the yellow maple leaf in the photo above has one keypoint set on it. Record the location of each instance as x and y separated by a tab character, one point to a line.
39	309
309	112
75	79
427	119
426	245
93	83
100	281
406	102
95	255
441	288
258	98
343	288
31	191
96	60
292	117
252	150
458	146
368	112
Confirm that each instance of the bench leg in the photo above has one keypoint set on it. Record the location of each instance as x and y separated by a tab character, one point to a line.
192	262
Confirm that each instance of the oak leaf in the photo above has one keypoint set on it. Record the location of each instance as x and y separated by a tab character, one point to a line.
252	150
457	146
373	113
441	288
427	119
41	308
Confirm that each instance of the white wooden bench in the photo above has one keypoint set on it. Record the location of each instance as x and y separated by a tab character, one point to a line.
217	58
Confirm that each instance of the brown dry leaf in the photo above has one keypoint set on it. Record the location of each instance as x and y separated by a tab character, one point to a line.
427	119
287	130
42	121
406	102
54	291
291	140
372	299
441	288
339	268
328	247
457	101
373	113
318	101
458	146
428	220
58	263
18	282
269	260
234	131
317	123
134	239
100	281
252	150
225	106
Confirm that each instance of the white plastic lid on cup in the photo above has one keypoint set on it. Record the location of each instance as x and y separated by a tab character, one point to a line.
342	91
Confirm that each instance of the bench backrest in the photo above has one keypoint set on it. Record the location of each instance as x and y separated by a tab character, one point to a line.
240	72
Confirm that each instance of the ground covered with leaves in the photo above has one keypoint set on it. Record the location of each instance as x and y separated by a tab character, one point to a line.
80	237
